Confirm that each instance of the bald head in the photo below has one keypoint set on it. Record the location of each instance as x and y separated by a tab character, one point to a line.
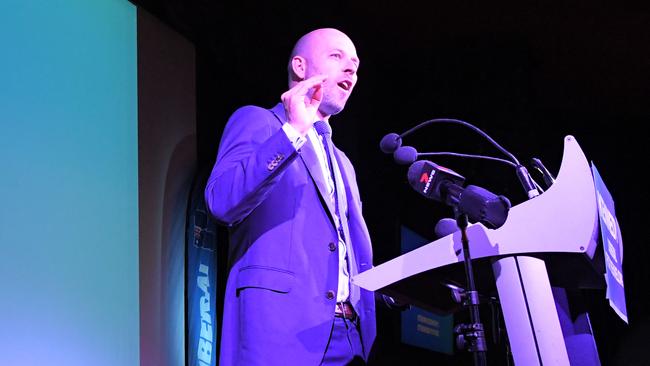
330	53
309	45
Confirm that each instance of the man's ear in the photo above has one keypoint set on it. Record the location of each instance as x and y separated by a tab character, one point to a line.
299	66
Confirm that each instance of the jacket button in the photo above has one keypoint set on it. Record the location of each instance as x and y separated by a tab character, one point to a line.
330	295
332	247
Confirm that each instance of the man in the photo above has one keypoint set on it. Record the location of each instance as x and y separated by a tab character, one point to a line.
297	234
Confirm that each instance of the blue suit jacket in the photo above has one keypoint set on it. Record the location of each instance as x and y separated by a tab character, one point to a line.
281	262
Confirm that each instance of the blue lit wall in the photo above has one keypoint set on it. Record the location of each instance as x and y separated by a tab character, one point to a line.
68	183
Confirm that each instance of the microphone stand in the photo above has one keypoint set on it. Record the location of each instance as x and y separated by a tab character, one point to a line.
470	336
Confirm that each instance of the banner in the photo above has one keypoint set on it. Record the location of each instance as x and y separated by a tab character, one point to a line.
201	280
612	247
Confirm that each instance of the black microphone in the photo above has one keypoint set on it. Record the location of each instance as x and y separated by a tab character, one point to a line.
390	143
435	182
444	185
546	175
527	181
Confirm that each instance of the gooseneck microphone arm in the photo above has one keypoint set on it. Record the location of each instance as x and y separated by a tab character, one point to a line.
471	126
472	156
530	186
392	143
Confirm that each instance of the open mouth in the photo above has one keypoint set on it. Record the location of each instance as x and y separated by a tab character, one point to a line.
345	85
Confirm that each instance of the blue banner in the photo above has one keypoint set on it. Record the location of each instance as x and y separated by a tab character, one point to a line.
201	281
612	247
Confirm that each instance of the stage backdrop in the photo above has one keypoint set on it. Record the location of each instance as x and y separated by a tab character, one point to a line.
167	164
68	183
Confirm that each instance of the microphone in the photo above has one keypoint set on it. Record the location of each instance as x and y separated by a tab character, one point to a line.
546	175
435	182
393	141
445	227
405	155
527	181
390	143
444	185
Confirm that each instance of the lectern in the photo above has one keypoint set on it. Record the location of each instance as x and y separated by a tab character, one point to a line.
552	236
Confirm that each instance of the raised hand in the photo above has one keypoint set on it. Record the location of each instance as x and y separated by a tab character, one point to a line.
301	102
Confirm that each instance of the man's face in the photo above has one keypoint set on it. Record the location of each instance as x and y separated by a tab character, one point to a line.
333	54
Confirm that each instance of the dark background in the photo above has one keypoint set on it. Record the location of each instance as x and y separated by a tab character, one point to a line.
528	75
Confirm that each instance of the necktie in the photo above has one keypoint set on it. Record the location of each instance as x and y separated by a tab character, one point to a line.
325	131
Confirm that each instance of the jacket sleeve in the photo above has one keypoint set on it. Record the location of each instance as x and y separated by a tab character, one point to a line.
253	153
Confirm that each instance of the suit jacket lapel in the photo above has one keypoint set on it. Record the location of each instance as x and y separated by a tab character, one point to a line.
310	159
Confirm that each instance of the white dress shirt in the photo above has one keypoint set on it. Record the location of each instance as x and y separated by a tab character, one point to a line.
317	141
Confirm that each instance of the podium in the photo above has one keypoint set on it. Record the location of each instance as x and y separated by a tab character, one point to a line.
551	238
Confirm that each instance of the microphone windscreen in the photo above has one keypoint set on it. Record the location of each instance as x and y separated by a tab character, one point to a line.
405	155
415	172
445	227
390	143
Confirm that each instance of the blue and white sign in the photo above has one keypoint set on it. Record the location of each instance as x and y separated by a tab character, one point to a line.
612	246
426	330
421	328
